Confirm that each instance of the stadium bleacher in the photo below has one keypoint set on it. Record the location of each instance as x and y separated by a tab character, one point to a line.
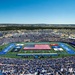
50	66
59	66
42	35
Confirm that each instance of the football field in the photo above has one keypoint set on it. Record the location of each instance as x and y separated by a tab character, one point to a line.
37	49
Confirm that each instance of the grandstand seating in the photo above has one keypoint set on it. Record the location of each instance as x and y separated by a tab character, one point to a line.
60	66
50	66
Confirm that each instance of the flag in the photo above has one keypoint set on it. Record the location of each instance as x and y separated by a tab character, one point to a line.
37	46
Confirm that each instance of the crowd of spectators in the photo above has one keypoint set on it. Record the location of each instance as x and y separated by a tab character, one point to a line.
51	66
36	35
59	66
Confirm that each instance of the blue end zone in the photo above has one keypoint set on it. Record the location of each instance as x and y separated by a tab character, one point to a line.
7	49
68	49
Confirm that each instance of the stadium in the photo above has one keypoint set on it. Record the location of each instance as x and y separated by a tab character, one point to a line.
37	37
35	47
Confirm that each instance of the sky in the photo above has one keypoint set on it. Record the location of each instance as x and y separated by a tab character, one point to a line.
37	11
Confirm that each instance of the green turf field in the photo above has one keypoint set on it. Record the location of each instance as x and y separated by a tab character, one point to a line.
13	54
